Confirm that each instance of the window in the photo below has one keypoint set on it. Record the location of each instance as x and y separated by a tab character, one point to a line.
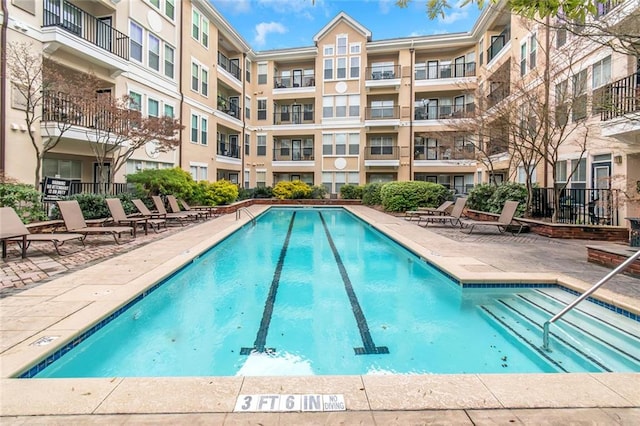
200	27
195	77
522	173
354	67
247	144
262	73
204	88
561	172
354	106
262	109
341	106
261	178
382	109
168	111
135	101
341	42
327	107
523	58
381	145
328	69
328	50
601	73
203	131
153	108
135	37
156	3
354	48
308	112
199	171
205	32
561	36
195	24
354	143
247	71
261	145
327	144
154	52
247	107
194	128
579	107
170	8
341	68
66	169
341	143
169	60
246	179
533	49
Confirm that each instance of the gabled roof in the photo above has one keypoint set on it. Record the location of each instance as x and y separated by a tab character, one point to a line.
342	17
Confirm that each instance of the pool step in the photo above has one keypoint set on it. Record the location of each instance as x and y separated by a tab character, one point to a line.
602	345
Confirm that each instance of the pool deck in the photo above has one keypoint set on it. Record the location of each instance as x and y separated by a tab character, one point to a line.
63	305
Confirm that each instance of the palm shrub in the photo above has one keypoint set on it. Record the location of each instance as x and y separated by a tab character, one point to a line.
289	190
24	199
403	196
478	198
371	194
214	193
351	192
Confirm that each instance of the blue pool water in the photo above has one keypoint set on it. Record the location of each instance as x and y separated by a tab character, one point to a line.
317	291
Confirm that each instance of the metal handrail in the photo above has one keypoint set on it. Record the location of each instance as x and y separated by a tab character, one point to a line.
248	213
616	271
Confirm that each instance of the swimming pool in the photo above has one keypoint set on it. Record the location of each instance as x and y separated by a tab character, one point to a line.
250	307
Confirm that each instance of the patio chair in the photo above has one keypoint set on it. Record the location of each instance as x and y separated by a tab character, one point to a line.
453	218
176	217
213	211
440	210
175	208
504	221
12	229
119	217
144	211
74	222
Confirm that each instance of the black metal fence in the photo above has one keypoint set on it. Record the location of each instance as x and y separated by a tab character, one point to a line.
578	206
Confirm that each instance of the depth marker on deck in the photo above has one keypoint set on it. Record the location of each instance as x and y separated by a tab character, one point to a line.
261	337
369	347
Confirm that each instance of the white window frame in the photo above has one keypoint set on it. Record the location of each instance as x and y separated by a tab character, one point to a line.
342	49
134	25
150	53
172	62
601	74
328	50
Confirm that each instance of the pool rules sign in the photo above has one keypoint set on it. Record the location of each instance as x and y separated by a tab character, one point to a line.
275	402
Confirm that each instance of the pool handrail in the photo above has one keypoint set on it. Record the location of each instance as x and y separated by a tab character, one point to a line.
248	213
614	272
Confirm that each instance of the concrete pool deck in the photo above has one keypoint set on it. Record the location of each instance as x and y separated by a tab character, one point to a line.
63	306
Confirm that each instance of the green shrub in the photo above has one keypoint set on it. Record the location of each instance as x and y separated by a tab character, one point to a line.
24	199
351	192
371	194
478	197
318	192
258	192
403	196
214	193
93	206
289	190
164	181
508	191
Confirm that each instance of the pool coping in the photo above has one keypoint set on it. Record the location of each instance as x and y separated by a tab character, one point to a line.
76	302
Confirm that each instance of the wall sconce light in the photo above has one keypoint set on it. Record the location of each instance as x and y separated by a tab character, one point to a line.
617	159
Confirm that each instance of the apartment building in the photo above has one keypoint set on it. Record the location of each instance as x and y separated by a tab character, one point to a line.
343	110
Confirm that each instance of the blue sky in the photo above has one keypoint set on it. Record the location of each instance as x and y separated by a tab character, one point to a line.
278	24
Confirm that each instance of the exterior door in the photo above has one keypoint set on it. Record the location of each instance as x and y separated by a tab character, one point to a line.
297	78
296	110
458	68
103	33
296	150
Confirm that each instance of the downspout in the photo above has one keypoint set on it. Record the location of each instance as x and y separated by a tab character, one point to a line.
3	85
411	112
181	120
547	83
244	119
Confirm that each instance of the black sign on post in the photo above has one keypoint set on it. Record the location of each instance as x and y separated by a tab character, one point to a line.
56	188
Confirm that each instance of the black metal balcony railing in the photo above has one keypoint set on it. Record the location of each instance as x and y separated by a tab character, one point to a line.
438	71
229	106
621	97
382	72
293	153
424	152
288	81
443	112
498	43
228	149
382	113
76	111
604	7
587	206
293	117
78	22
229	65
381	152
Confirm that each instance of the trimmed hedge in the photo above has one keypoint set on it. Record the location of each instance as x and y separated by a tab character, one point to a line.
403	196
351	192
491	198
290	190
24	199
371	194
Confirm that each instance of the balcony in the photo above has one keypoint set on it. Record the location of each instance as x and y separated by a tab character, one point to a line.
447	152
382	113
619	106
604	7
229	65
381	156
293	115
228	149
444	112
229	106
498	43
382	72
294	153
439	71
82	27
287	81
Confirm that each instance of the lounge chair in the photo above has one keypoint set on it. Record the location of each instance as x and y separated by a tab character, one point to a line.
175	208
119	217
144	211
440	210
12	229
74	222
453	218
503	222
179	217
213	211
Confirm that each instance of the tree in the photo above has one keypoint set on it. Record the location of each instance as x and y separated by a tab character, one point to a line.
36	81
117	129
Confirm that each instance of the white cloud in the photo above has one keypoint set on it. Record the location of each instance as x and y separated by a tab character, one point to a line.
456	13
385	6
265	28
234	6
